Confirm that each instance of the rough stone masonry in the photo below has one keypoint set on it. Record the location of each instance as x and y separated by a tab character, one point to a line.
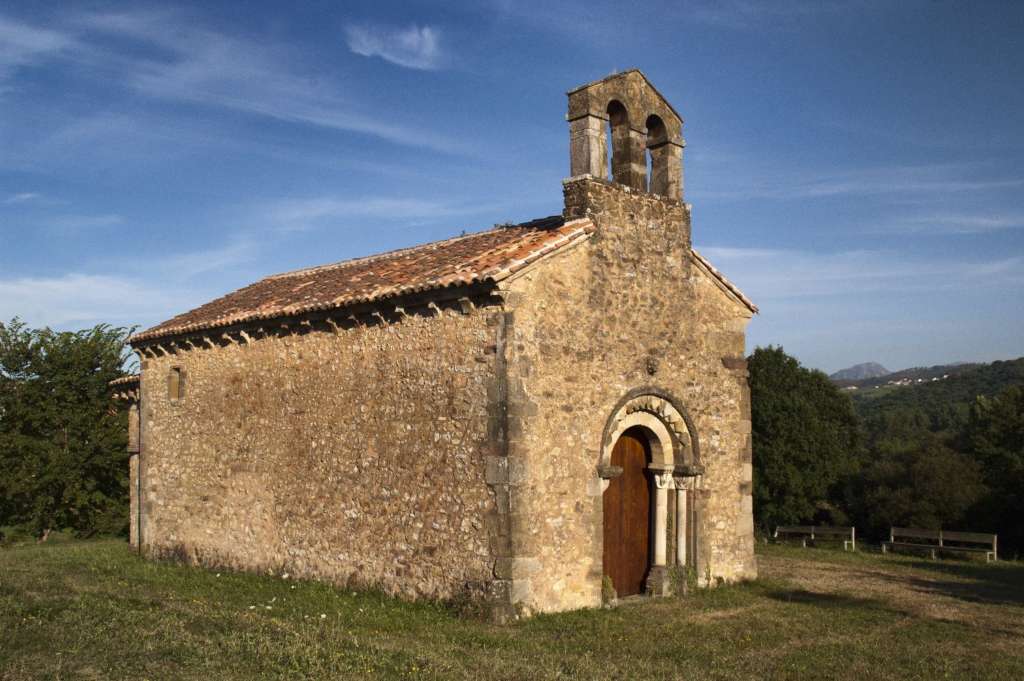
442	421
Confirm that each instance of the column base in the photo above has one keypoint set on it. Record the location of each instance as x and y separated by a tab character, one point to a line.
659	581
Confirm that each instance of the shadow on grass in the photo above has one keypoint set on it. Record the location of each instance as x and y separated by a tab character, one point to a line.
832	601
983	583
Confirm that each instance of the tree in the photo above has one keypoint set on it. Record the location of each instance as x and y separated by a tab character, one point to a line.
917	483
995	438
62	446
806	441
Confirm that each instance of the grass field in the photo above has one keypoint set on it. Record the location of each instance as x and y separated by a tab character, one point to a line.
93	610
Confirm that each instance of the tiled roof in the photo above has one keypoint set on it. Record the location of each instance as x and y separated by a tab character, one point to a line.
731	287
482	257
130	379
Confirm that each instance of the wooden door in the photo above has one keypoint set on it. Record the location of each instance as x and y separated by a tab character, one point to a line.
627	516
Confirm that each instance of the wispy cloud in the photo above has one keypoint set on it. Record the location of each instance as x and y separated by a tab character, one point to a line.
414	47
22	44
77	299
214	68
832	309
905	180
81	222
298	214
787	275
956	224
21	197
754	14
178	267
184	61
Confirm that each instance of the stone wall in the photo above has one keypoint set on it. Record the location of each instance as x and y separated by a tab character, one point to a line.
356	456
625	310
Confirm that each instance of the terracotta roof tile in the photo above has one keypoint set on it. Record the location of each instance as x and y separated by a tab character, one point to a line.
488	256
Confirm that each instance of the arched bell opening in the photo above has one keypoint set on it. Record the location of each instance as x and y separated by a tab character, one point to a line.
658	152
620	150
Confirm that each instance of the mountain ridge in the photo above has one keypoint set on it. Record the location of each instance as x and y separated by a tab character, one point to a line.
859	372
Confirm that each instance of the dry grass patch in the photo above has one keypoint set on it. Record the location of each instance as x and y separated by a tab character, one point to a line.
95	610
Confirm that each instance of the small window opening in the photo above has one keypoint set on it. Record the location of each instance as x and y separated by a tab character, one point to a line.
176	384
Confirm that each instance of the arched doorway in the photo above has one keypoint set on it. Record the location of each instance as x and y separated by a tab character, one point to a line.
667	476
627	515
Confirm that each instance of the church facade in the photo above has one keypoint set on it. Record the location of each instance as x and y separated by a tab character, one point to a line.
533	415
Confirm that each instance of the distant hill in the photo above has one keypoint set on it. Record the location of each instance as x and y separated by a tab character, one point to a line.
859	372
941	397
904	377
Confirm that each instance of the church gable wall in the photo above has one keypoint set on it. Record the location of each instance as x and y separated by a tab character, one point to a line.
626	311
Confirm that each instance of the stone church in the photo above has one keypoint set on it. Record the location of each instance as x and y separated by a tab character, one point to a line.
530	415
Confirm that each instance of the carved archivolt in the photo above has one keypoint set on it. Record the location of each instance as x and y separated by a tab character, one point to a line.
674	448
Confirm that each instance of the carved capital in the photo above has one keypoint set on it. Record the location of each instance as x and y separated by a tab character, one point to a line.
664	480
688	470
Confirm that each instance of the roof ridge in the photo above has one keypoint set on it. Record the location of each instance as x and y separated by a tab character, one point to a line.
398	251
484	256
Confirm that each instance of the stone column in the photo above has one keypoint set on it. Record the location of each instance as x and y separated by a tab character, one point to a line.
667	170
660	525
658	582
588	152
681	524
636	175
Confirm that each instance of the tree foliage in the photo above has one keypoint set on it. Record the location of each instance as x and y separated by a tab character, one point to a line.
806	441
944	454
62	444
995	438
926	485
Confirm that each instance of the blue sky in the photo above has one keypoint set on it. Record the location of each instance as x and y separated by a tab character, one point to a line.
857	167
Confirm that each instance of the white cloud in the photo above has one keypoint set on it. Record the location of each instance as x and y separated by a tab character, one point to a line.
415	47
789	275
184	266
21	198
22	44
146	290
297	214
834	309
188	62
214	68
759	15
898	180
74	222
956	224
77	300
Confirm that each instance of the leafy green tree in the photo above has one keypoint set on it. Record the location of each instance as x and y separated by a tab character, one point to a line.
806	441
995	438
918	482
62	444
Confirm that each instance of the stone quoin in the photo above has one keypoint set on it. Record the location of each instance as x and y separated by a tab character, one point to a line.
537	416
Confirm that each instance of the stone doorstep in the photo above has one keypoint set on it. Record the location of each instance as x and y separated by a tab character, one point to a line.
635	600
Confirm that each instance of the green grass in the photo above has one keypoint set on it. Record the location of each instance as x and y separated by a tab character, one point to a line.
94	610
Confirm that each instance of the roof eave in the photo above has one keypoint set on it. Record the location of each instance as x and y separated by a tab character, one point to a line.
727	285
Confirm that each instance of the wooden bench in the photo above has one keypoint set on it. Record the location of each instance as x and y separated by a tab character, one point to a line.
942	541
848	535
